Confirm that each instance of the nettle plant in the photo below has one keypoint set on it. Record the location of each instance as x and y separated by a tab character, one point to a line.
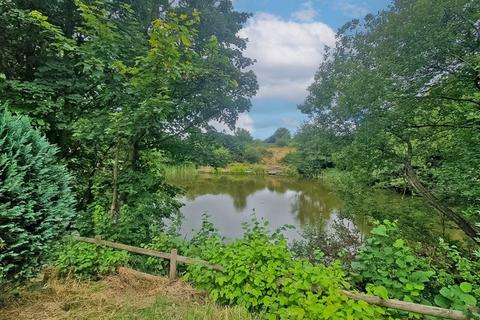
458	278
262	275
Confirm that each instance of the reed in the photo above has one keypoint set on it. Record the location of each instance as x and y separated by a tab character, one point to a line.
182	170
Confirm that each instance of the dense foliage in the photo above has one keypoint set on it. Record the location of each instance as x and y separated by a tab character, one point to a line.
36	203
397	104
265	275
114	84
86	261
390	267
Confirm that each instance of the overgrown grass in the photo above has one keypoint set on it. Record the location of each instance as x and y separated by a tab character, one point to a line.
120	296
245	168
165	308
186	169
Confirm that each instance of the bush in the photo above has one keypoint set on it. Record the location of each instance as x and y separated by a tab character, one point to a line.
386	266
262	275
88	261
220	157
386	261
321	246
36	203
252	154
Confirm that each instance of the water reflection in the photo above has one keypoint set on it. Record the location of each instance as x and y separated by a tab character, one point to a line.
230	200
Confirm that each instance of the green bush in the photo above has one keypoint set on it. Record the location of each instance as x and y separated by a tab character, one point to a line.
458	277
252	154
220	157
36	203
262	275
244	168
387	262
386	266
88	261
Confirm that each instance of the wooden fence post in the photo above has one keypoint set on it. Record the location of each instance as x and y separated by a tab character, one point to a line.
173	264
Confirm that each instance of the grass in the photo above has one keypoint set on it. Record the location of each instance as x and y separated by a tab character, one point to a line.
271	162
245	168
165	308
121	296
182	170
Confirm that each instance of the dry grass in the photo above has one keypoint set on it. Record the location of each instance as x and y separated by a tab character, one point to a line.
125	295
276	155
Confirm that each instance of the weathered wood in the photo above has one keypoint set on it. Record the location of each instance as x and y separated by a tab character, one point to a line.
173	264
125	247
407	306
149	252
188	260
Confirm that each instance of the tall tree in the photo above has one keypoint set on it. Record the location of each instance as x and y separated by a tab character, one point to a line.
111	82
402	87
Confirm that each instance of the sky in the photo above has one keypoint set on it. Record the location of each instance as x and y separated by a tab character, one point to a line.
287	38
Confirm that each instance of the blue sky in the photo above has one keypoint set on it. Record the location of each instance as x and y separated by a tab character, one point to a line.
287	39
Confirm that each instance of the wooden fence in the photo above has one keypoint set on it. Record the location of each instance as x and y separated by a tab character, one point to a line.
174	258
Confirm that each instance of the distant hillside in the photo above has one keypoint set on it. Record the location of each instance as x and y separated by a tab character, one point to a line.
275	155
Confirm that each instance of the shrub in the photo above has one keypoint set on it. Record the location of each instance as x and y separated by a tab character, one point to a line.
88	261
252	154
389	263
220	157
322	246
262	275
36	203
457	281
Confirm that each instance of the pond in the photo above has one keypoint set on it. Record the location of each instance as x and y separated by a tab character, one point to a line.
230	200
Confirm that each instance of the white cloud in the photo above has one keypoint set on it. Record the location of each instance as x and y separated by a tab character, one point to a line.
289	122
288	54
244	121
306	13
350	9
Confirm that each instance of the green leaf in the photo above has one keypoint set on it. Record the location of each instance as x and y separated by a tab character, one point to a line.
185	40
380	230
466	287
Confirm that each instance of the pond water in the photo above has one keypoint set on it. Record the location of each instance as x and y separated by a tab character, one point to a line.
230	200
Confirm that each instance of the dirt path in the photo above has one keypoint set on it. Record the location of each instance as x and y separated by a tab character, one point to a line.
272	162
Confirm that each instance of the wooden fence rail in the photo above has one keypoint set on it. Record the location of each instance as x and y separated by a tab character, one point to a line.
388	303
172	256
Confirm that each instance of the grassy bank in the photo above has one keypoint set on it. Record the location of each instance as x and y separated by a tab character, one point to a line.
122	296
271	163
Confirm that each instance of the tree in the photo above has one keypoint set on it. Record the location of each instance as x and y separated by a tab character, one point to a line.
280	136
113	83
36	202
406	111
220	158
243	136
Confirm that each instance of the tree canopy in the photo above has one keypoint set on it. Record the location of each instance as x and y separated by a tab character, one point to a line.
400	97
112	83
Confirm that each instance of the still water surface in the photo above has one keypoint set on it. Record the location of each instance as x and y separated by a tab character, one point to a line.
230	200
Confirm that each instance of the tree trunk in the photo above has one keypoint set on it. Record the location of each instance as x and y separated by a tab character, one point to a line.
436	203
114	206
432	200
